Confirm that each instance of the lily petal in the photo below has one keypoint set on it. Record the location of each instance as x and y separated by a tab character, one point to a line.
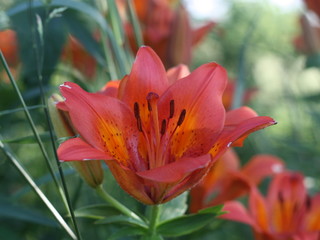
313	216
176	171
261	166
237	212
76	149
259	210
104	122
111	88
199	33
178	72
129	181
147	75
231	188
204	111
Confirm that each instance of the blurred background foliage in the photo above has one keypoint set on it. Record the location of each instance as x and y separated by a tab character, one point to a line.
253	41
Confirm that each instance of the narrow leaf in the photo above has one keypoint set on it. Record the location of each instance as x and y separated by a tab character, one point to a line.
122	219
25	214
45	137
97	211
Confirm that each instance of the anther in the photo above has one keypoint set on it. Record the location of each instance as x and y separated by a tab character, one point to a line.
182	116
139	124
163	126
136	110
171	108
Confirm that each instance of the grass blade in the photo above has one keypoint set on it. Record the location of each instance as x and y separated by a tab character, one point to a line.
36	189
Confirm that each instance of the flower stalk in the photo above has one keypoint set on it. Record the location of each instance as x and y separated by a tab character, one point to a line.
116	204
155	214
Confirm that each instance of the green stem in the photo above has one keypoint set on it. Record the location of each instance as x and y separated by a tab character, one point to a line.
115	203
155	214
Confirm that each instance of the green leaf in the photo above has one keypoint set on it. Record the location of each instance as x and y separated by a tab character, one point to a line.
9	210
214	210
78	26
92	13
37	56
128	231
122	219
97	211
189	223
45	137
10	111
174	208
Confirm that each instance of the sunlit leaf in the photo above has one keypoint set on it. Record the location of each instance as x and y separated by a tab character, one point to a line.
174	208
187	224
98	211
45	137
121	219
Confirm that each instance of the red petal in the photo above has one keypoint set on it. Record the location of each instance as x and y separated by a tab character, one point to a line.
259	210
102	121
111	89
147	75
239	115
237	212
200	94
176	171
313	215
129	181
201	32
178	72
290	185
261	166
231	187
76	149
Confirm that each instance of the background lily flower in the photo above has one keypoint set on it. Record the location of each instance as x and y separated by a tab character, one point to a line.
166	28
158	135
287	212
9	48
226	180
79	58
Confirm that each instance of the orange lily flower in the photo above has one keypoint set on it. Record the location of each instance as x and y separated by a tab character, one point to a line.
287	213
9	48
166	28
79	58
158	135
226	181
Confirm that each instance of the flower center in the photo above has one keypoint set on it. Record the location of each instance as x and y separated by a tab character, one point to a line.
154	132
